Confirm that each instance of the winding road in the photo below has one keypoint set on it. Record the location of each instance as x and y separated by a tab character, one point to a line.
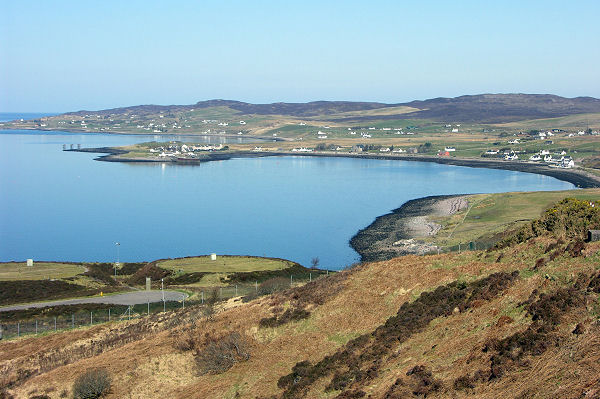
127	298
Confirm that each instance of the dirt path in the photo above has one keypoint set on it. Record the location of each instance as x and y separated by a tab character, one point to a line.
128	298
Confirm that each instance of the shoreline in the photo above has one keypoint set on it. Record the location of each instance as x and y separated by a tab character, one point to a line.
396	233
579	178
73	131
393	234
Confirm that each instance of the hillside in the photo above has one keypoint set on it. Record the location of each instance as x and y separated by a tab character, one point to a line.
482	108
518	320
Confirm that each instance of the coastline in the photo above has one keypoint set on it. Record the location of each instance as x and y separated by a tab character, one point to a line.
396	233
577	177
393	234
67	130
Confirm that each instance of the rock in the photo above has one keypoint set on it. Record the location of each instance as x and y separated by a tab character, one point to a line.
579	329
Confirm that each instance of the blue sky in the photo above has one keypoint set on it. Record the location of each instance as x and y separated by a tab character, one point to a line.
70	55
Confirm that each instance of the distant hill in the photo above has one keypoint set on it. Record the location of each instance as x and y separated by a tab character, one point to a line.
496	108
483	108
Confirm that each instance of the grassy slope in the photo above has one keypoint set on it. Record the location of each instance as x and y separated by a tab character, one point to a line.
223	264
342	307
40	271
489	215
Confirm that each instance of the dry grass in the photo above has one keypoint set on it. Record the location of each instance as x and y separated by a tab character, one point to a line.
146	360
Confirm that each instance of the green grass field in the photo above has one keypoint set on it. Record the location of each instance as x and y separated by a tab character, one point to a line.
39	271
492	214
223	264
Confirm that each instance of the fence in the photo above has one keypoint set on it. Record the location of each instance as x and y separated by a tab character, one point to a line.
113	313
469	246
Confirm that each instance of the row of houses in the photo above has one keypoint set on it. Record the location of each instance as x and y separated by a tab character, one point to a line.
173	150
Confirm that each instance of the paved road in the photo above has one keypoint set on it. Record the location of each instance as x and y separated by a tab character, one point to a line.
128	298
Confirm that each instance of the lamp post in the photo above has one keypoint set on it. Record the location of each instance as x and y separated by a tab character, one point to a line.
118	245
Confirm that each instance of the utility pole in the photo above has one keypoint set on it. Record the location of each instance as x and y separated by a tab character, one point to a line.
118	245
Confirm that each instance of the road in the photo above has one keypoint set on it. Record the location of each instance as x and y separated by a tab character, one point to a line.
127	298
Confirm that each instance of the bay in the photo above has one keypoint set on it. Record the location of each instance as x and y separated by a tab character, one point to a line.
57	205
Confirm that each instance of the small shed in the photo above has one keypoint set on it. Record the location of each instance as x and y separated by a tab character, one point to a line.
29	262
213	256
593	235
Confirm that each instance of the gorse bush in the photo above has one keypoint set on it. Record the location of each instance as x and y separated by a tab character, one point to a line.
220	354
273	285
91	384
570	218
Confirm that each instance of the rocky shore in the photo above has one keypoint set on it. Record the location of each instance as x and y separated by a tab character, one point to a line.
402	231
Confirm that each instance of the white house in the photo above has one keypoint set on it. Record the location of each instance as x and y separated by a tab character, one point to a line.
535	157
455	130
449	149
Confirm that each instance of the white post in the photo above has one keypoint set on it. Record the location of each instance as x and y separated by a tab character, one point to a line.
309	277
291	280
91	319
256	286
108	314
236	290
18	329
203	297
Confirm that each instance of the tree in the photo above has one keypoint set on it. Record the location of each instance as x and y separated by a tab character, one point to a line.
315	262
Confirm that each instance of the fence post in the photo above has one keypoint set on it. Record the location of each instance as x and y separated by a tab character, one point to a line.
36	326
91	319
291	280
203	297
309	277
129	312
256	286
236	290
55	324
459	247
108	314
184	301
18	329
164	306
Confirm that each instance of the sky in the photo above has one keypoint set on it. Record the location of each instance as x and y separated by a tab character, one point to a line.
59	56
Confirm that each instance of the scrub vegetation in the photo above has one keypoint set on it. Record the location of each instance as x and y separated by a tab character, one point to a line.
493	323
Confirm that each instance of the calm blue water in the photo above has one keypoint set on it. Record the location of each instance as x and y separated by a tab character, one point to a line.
57	205
11	116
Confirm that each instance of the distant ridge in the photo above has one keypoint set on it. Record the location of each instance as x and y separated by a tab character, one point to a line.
484	108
